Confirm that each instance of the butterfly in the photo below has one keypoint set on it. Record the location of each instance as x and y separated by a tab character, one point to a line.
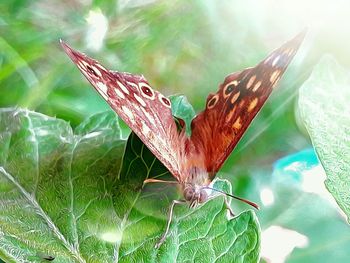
193	160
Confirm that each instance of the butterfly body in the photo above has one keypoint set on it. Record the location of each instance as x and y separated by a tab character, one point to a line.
193	160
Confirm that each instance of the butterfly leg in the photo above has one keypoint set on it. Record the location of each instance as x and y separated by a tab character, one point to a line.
170	216
227	204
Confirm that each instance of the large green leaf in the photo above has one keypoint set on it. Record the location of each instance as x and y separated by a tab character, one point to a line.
324	105
62	197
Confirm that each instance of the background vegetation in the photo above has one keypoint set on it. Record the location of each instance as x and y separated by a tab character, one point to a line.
188	47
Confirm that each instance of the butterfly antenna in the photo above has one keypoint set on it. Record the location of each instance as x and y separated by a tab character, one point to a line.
235	197
151	180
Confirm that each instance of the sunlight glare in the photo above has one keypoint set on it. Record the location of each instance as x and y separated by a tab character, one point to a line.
267	197
97	29
313	181
92	134
111	237
275	251
42	132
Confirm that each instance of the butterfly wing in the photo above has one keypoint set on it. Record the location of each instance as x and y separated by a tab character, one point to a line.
229	112
146	111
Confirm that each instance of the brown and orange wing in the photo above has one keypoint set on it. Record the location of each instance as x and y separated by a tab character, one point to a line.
228	113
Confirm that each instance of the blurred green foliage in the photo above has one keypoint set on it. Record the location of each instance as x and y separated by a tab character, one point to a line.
181	47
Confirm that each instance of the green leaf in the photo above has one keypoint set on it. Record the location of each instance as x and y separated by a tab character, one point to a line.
56	188
62	196
181	108
324	106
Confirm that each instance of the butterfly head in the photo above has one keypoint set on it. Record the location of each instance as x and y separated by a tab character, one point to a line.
91	69
195	195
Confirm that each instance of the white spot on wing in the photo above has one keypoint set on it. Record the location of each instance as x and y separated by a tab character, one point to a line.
128	113
251	81
145	129
119	93
81	65
267	60
237	125
257	85
149	116
123	88
274	62
275	75
235	82
231	113
137	108
102	89
101	67
291	50
253	104
133	85
85	64
235	97
97	71
104	96
141	101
